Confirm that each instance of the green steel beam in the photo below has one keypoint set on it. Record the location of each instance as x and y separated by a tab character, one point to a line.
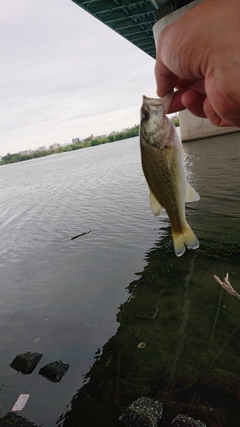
113	17
132	19
128	22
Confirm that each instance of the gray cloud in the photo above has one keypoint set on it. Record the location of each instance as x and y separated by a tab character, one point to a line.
64	75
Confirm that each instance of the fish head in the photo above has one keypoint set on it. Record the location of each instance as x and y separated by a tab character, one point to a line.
154	125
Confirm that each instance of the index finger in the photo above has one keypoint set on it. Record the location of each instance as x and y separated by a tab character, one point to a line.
166	80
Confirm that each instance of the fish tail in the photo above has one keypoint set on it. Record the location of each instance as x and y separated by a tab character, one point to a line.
186	237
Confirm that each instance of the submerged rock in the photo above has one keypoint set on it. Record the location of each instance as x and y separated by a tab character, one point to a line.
26	362
184	421
54	371
144	412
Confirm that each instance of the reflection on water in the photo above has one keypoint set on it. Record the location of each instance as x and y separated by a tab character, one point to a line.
191	358
60	297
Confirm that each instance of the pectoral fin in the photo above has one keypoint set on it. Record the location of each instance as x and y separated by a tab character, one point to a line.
192	195
169	156
155	205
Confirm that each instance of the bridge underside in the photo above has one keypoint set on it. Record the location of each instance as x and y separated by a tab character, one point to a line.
132	19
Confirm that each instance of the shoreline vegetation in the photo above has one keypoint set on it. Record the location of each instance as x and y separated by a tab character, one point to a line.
88	142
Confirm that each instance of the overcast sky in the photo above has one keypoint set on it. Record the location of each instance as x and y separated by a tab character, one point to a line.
65	75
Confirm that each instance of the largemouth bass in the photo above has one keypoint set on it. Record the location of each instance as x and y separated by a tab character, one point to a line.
163	167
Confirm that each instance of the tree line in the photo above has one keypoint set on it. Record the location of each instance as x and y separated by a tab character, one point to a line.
88	142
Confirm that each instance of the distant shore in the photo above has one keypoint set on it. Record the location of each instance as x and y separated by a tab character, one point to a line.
88	142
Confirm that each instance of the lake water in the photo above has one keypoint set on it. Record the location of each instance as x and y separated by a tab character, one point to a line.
82	300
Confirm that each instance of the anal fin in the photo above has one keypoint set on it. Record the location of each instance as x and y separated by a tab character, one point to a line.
192	195
155	205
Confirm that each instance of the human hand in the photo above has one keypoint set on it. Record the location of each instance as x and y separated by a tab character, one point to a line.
199	55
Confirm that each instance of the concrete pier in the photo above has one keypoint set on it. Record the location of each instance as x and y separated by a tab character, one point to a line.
191	127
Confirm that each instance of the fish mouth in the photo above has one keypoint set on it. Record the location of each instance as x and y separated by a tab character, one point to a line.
154	102
163	103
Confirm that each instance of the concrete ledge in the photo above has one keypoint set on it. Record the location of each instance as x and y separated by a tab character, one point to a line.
192	127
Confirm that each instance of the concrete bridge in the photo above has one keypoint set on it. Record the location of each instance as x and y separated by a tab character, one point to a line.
141	22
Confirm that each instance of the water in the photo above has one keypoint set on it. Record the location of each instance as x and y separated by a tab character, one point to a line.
61	296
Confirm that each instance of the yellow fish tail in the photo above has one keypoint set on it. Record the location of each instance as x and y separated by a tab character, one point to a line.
187	237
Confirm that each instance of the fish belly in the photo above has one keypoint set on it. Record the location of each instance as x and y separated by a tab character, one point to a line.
168	184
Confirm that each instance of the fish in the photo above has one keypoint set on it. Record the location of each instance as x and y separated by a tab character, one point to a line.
162	158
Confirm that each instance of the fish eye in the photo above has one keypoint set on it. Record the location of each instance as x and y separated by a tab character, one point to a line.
145	115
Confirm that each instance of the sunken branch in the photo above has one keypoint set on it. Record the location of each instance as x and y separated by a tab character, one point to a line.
227	286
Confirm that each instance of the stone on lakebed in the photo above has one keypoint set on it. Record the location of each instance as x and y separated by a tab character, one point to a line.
26	362
54	371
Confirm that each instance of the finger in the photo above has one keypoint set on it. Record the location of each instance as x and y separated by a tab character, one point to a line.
199	105
174	57
165	79
197	86
193	101
176	104
184	84
222	105
214	118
